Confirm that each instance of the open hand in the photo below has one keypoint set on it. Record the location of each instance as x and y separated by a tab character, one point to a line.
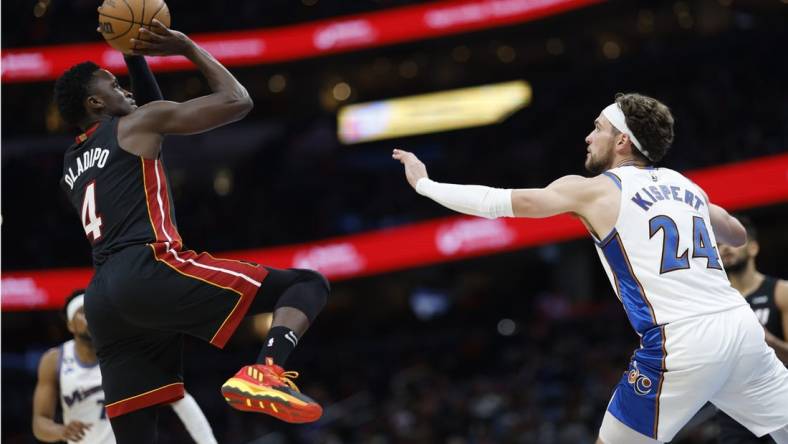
75	431
414	168
160	40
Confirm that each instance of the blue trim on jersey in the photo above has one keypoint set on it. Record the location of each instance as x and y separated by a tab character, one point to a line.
80	363
631	293
616	180
636	399
605	239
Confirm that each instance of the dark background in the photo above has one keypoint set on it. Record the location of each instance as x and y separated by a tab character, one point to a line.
384	374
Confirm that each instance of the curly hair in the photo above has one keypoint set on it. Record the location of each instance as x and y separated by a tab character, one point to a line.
651	122
71	89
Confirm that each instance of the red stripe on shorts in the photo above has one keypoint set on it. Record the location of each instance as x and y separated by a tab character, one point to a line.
162	395
239	277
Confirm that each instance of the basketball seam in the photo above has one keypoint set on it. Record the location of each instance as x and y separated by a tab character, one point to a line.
122	19
131	11
157	12
131	24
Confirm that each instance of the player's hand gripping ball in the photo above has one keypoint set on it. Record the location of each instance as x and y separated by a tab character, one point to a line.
121	20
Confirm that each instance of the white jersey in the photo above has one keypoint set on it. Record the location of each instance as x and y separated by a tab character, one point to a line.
699	340
82	397
661	256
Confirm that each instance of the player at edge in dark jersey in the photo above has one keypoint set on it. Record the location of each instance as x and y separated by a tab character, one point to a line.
148	290
768	297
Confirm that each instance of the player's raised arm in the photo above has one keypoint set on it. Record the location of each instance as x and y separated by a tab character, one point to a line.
228	102
143	84
569	194
45	400
727	228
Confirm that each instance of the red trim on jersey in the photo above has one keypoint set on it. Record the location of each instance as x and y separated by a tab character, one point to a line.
169	224
162	395
239	277
88	132
158	200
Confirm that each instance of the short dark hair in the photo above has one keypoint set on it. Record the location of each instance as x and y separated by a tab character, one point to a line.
752	232
651	122
70	298
71	89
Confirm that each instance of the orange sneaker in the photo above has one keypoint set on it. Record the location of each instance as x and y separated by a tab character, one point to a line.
267	388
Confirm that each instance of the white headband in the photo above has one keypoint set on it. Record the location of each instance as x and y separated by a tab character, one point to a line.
619	121
74	305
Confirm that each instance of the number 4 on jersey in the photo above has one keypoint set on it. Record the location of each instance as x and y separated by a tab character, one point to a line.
91	222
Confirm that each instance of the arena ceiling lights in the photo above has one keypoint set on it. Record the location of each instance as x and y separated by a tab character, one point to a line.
433	112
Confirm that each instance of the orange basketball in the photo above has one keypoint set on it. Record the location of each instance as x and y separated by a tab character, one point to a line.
120	20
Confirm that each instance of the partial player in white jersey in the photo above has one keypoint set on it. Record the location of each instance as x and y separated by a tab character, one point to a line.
656	233
70	373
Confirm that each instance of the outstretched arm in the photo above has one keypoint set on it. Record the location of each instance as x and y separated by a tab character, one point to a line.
228	102
475	200
44	401
727	229
569	194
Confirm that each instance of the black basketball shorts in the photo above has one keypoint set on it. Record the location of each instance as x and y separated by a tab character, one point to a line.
142	301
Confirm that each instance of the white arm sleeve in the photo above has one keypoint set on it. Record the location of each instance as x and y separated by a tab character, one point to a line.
194	420
476	200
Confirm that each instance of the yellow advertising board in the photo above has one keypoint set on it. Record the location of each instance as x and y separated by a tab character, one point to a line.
433	112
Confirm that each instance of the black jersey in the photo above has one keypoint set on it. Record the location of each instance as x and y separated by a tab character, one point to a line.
121	199
763	304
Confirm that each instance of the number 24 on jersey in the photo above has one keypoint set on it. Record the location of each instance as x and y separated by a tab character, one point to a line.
702	246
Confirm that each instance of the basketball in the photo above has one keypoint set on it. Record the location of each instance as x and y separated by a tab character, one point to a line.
120	20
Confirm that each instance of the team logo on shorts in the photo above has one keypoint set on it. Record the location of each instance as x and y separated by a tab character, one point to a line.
641	383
